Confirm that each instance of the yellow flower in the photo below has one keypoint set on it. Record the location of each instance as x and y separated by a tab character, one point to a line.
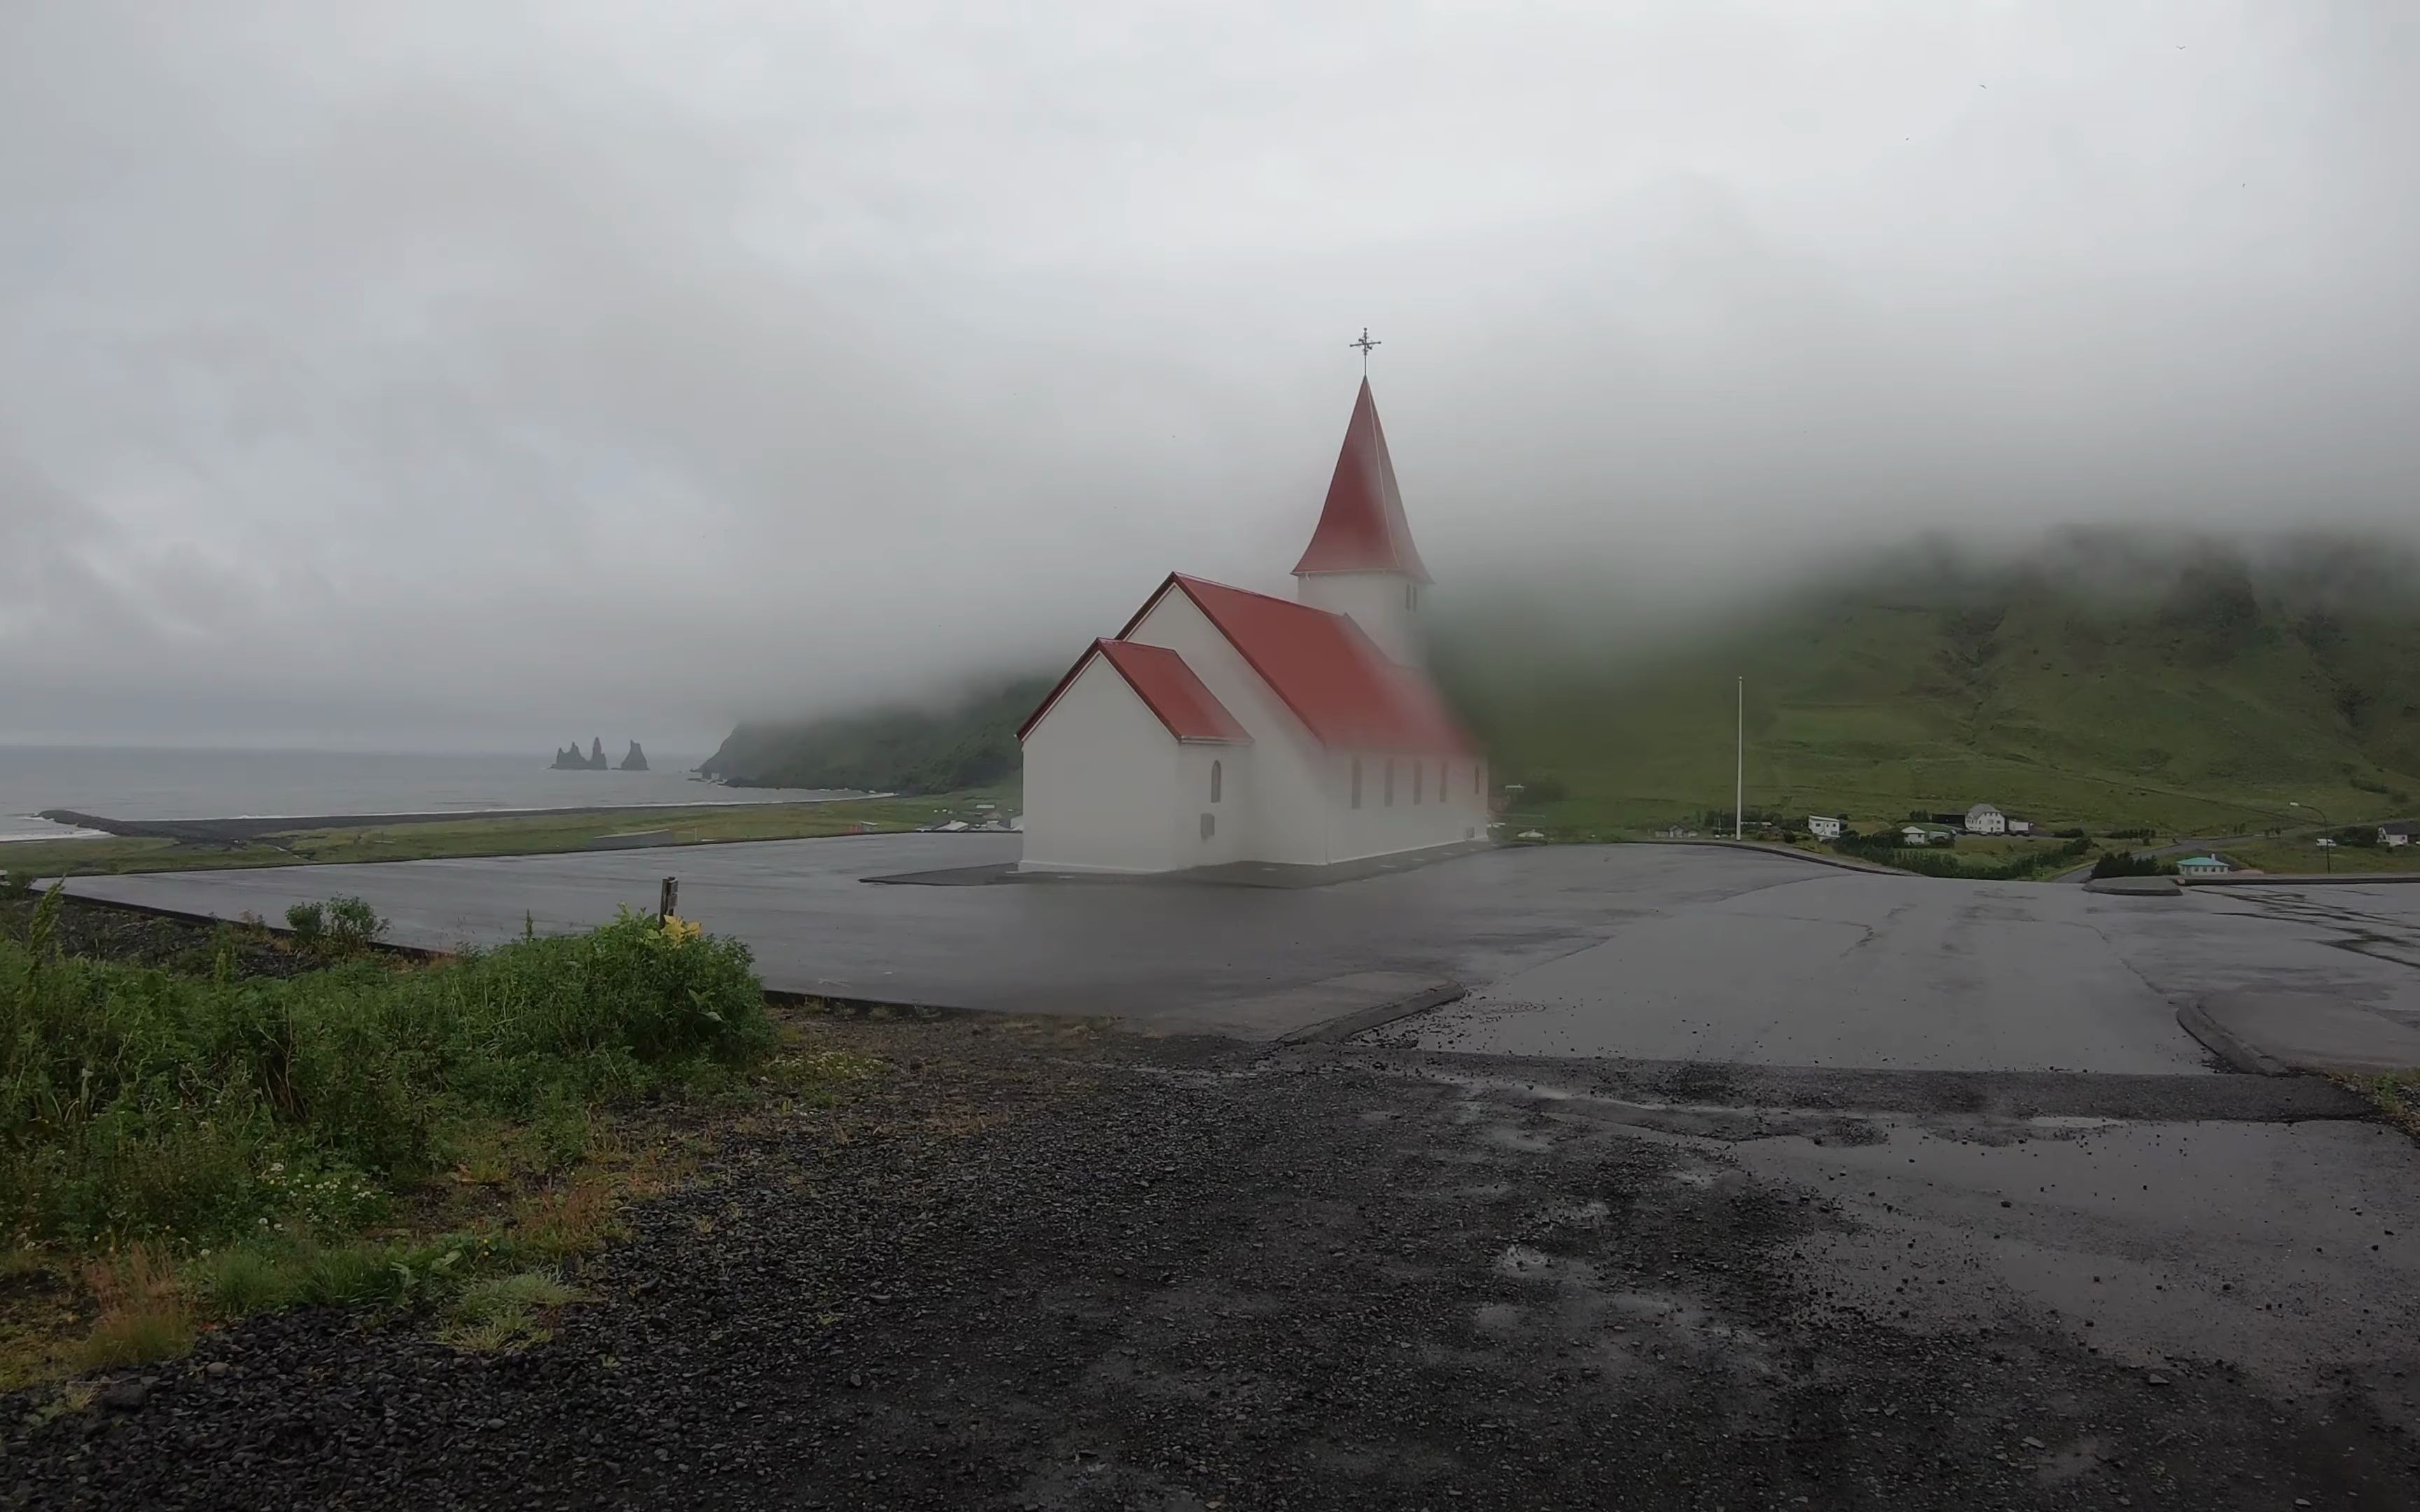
679	931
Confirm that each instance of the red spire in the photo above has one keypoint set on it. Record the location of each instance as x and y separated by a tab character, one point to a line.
1362	528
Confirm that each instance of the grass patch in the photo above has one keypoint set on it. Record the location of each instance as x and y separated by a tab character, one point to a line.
506	1312
2396	1097
2302	856
182	1149
528	835
144	1315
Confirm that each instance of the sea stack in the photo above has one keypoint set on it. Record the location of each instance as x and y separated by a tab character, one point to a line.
569	760
636	761
597	762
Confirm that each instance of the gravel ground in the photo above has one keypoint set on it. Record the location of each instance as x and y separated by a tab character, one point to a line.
1042	1266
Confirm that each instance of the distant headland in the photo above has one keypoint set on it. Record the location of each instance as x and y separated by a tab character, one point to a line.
569	760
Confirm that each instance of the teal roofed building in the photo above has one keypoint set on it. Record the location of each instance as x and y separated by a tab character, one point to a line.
2202	866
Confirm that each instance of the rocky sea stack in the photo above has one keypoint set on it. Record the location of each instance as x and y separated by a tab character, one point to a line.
569	760
636	761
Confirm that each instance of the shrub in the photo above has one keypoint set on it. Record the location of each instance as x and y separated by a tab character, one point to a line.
353	925
309	922
136	1104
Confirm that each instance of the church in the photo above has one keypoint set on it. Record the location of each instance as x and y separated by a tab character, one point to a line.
1223	725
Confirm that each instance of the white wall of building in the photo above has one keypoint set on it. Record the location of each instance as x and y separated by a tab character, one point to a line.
1287	818
1419	816
1384	604
1231	812
1103	777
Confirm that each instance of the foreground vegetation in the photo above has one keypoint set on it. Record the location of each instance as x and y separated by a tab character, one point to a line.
181	1148
471	836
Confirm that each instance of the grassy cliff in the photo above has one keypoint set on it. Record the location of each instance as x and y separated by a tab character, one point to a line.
969	742
2199	693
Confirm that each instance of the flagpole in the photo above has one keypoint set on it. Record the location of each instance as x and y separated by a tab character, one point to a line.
1739	766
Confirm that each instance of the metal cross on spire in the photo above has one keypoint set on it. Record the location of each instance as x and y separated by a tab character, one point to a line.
1365	343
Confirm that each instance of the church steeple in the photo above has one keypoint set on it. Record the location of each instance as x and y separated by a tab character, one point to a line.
1361	527
1361	562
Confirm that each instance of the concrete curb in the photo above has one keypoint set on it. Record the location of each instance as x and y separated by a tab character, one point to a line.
2195	1020
1360	1021
2304	879
1840	863
2134	887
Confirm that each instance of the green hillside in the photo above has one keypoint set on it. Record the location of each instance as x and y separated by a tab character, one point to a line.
2106	682
2197	696
969	742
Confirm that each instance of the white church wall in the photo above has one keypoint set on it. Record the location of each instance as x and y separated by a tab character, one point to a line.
1101	780
1289	819
1419	816
1230	812
1376	602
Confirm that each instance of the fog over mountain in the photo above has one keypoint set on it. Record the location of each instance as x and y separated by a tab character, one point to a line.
472	373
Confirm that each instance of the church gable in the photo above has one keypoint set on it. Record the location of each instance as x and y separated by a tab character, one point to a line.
1164	684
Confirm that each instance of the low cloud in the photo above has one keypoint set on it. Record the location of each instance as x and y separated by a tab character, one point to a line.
488	374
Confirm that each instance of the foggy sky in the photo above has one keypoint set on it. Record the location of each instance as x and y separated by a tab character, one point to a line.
490	373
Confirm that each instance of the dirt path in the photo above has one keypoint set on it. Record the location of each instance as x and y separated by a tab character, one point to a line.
1058	1267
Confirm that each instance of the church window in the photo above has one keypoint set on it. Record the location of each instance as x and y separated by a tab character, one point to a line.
1209	825
1356	781
1215	773
1419	781
1391	782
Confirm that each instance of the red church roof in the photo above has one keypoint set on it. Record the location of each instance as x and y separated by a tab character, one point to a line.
1166	687
1334	677
1361	527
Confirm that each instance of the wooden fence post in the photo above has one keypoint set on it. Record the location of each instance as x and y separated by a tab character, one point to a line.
668	901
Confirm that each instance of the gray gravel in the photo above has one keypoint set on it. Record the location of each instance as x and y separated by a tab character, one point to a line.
1050	1268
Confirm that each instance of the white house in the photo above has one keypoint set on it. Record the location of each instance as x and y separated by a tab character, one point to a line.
2398	833
1824	827
1227	725
1983	819
1914	835
2203	866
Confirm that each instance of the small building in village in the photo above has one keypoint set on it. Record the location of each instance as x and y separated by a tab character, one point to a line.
1824	826
1983	819
1223	725
2396	834
2203	866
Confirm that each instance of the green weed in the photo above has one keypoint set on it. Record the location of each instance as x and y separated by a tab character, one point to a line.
504	1312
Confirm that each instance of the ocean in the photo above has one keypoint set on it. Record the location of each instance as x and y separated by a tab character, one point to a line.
121	783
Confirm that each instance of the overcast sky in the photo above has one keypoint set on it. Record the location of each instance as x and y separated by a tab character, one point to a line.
489	373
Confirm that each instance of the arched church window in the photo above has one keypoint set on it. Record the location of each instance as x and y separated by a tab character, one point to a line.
1356	781
1215	773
